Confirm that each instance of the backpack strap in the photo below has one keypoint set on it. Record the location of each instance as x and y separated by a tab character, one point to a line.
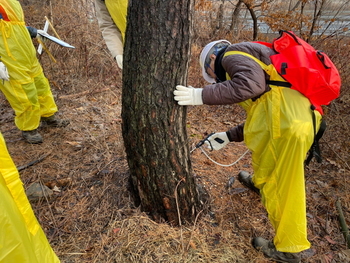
315	147
275	77
279	83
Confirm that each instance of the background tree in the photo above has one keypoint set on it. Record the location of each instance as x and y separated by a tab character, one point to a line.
235	21
157	52
312	19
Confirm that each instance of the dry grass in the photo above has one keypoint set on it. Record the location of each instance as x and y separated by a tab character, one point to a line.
92	218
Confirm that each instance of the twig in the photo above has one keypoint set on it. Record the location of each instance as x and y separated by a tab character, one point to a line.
178	212
51	26
104	167
343	225
82	93
50	209
346	164
22	167
46	49
177	202
194	227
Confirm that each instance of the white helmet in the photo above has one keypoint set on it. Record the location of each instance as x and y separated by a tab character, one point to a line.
204	59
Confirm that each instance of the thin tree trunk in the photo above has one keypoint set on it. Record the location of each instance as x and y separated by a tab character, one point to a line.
295	6
219	18
235	18
317	15
254	18
301	14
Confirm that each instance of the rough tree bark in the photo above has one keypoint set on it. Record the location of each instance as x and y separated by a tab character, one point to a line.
156	58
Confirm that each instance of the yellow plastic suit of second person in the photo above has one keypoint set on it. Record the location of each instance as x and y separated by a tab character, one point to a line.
111	16
22	240
27	90
284	137
118	10
279	130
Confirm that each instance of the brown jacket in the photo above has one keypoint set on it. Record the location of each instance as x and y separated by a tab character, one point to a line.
248	80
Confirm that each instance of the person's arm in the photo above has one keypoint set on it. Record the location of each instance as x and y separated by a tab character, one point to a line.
235	134
247	81
109	30
219	140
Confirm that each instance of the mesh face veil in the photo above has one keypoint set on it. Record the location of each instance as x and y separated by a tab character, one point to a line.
204	59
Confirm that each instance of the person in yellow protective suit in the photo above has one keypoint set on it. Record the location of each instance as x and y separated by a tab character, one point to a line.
22	239
111	16
278	130
23	81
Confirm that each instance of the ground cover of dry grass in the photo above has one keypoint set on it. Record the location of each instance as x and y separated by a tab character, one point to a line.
91	217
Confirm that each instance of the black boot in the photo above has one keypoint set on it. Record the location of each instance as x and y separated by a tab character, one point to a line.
246	179
32	137
269	250
52	121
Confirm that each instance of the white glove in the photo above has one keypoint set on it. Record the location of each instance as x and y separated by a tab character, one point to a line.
3	72
217	141
119	59
188	95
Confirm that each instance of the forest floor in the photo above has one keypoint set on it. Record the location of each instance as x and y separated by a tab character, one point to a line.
90	216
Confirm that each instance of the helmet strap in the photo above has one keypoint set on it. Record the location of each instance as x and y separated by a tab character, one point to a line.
219	69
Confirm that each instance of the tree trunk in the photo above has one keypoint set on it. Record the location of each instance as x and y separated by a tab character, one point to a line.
235	22
316	16
254	18
219	22
303	4
156	58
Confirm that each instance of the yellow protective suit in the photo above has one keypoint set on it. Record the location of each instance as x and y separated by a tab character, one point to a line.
279	132
28	90
118	11
22	239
